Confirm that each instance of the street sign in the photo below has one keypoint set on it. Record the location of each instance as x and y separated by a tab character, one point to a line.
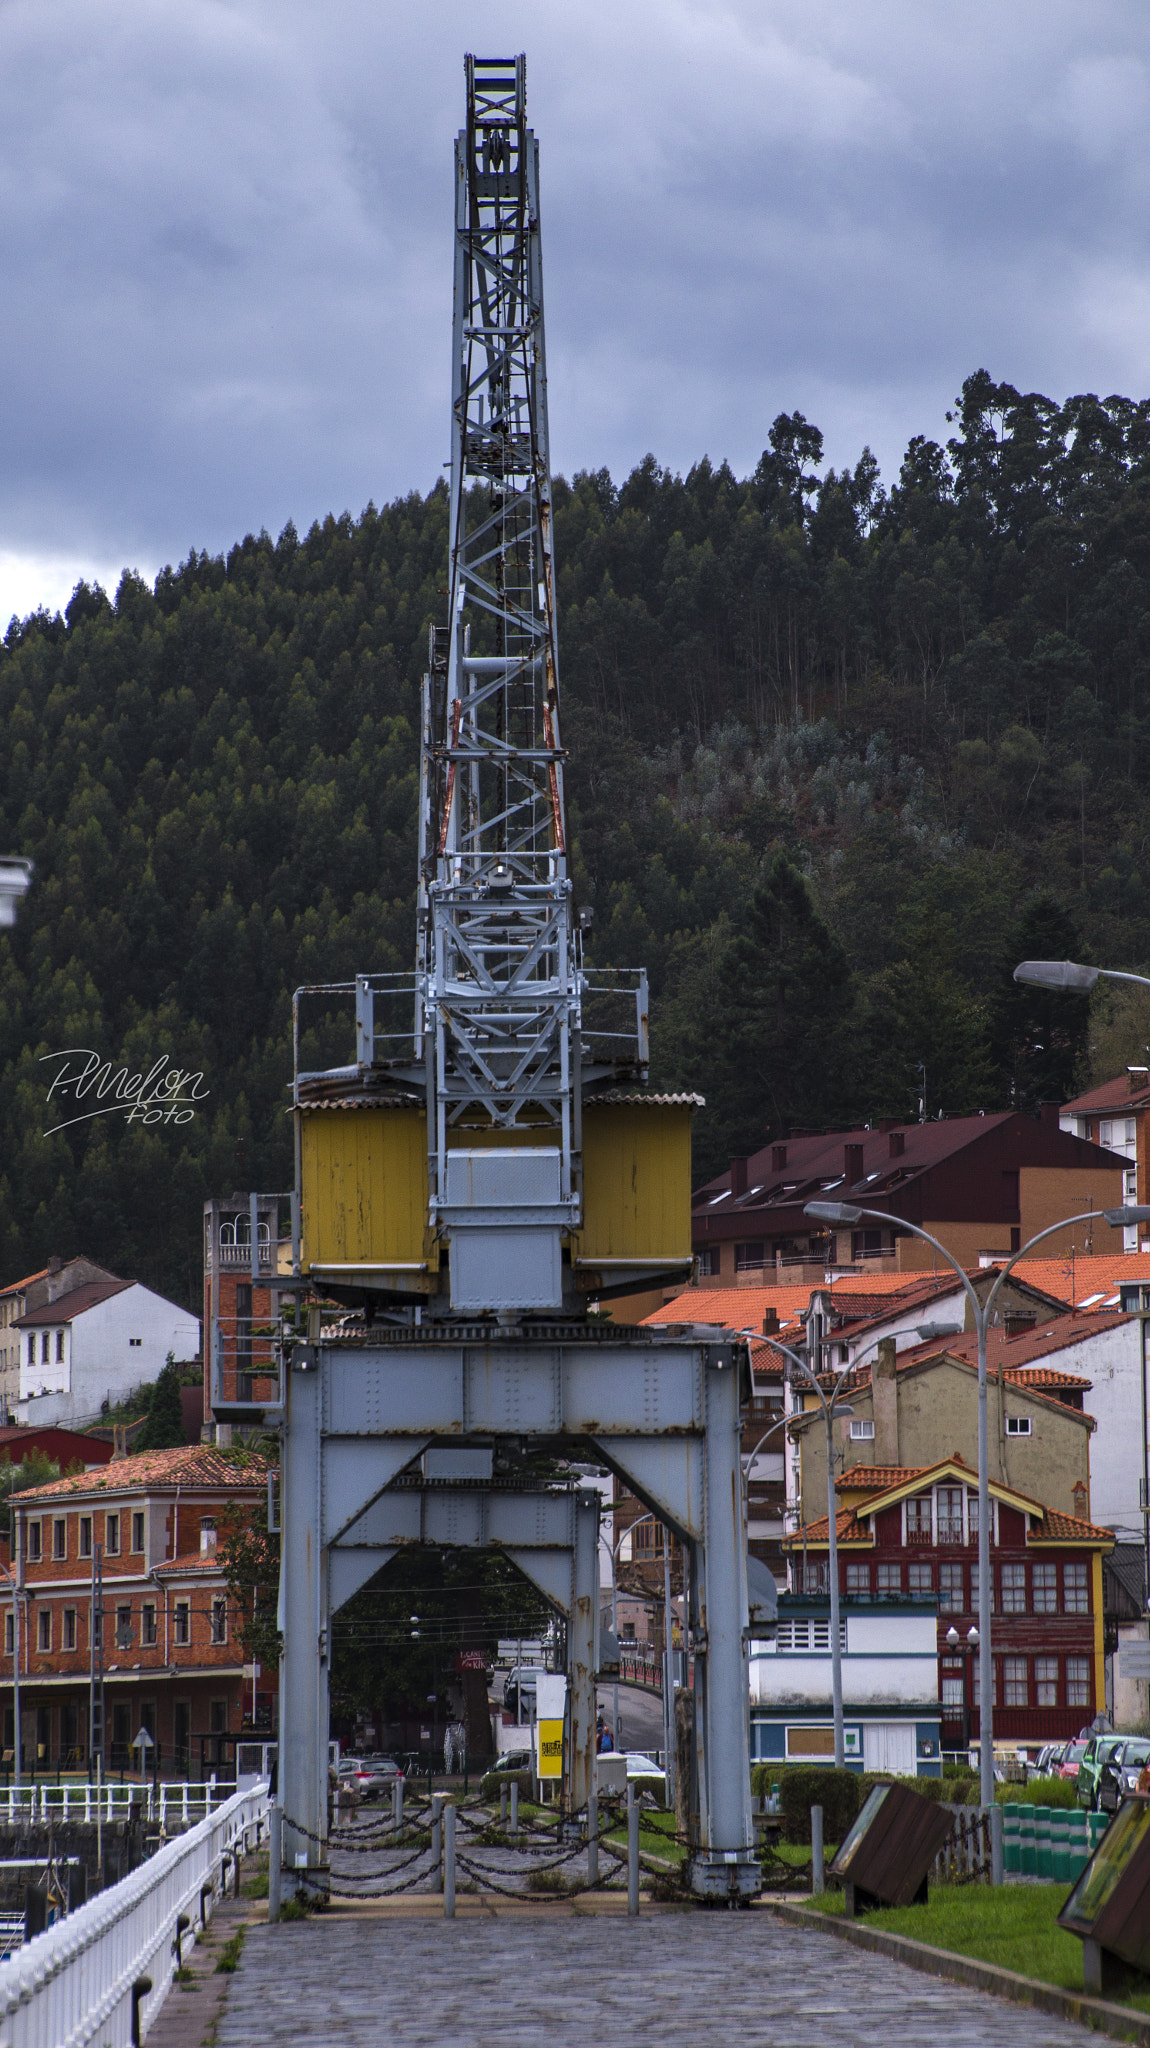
470	1660
550	1734
143	1741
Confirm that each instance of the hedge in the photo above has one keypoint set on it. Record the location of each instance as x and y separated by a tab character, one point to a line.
490	1783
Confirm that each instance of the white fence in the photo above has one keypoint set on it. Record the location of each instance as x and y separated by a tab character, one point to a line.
173	1805
72	1985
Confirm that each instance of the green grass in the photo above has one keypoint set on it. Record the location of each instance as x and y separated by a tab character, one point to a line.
231	1952
1013	1927
656	1836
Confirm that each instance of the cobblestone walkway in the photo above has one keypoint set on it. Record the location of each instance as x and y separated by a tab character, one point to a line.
519	1979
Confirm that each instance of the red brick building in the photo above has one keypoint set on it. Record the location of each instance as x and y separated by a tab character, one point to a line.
239	1311
904	1531
172	1660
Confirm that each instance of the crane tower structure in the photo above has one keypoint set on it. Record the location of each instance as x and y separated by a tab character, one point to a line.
491	1163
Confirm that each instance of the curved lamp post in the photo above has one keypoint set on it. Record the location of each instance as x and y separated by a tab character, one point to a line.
847	1213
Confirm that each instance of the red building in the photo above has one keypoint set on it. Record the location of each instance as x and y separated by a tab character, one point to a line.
915	1531
172	1661
239	1309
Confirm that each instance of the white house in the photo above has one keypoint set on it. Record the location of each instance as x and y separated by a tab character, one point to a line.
96	1344
890	1686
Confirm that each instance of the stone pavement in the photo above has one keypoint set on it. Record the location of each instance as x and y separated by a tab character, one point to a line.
518	1977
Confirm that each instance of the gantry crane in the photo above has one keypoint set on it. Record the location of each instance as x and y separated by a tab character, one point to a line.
491	1164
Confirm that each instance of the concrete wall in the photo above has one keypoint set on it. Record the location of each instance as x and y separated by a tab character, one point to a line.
102	1360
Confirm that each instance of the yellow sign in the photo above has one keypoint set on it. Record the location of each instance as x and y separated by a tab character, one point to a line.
550	1734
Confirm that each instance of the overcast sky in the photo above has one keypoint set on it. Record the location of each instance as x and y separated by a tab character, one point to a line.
225	241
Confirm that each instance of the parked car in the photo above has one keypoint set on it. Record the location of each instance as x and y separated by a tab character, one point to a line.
1046	1763
1119	1775
515	1760
641	1766
1072	1756
1097	1752
369	1776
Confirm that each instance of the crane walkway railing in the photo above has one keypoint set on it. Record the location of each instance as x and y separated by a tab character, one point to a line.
97	1978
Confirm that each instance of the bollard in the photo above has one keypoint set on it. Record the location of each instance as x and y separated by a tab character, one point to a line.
1011	1815
399	1804
140	1990
1043	1854
275	1861
182	1925
503	1806
437	1841
449	1860
593	1838
632	1853
515	1806
996	1844
816	1849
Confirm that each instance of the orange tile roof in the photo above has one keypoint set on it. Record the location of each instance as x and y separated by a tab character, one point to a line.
18	1286
848	1529
734	1308
1056	1527
1085	1276
1115	1094
1069	1529
191	1561
876	1478
1045	1376
188	1465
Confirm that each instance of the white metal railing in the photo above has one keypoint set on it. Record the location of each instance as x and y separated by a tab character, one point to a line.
72	1985
176	1804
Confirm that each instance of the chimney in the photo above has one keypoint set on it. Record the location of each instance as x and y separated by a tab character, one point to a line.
119	1440
1018	1322
778	1158
884	1402
54	1265
1049	1113
771	1322
1136	1079
853	1163
738	1176
897	1144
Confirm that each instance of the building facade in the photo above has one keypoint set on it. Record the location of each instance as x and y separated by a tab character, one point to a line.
96	1344
166	1625
915	1532
1114	1115
890	1685
59	1276
241	1301
983	1185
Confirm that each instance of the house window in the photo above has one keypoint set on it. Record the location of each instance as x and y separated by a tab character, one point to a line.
920	1578
862	1431
708	1262
918	1523
137	1532
45	1347
183	1622
35	1546
31	1350
60	1537
890	1578
1075	1593
952	1692
219	1619
44	1628
135	1343
1044	1580
950	1514
1014	1589
85	1535
1077	1682
9	1633
218	1717
59	1347
112	1536
1015	1682
1046	1681
950	1589
1010	1191
748	1256
858	1580
1018	1425
69	1636
148	1624
123	1628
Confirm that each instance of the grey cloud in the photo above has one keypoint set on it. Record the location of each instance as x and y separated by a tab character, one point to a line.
225	235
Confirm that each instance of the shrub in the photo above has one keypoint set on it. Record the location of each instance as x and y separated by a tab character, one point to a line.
492	1781
802	1786
1039	1792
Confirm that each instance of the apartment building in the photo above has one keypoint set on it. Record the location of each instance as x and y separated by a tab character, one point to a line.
147	1529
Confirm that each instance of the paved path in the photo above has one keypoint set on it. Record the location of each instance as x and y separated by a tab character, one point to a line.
522	1977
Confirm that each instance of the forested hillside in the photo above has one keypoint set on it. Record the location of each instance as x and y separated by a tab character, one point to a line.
838	758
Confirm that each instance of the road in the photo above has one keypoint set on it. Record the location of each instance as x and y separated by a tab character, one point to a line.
515	1977
641	1714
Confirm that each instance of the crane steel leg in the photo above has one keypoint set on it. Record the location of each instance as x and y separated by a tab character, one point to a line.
304	1666
725	1861
582	1652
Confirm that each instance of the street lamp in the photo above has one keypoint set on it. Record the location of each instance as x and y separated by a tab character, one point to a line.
844	1213
954	1640
1070	976
15	876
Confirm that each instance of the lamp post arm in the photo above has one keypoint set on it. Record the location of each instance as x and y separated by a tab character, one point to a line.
1083	1216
